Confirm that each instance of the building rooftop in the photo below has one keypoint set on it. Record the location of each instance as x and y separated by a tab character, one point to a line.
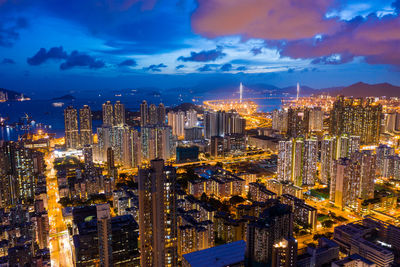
218	256
354	257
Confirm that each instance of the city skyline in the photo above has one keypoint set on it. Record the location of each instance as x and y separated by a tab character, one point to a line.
126	44
193	133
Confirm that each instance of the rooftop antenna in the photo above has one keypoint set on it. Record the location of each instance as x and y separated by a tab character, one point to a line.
241	92
298	91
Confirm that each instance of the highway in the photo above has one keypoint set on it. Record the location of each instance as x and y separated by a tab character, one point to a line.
60	248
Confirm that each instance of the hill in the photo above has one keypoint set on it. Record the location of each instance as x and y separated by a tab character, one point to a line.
361	89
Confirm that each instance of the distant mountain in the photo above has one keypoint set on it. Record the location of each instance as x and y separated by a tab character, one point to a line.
185	107
361	89
12	95
64	97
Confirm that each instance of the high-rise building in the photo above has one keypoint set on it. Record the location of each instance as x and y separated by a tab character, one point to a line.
8	185
85	119
280	120
108	114
111	169
157	142
119	114
161	114
21	177
356	117
382	152
298	122
157	215
104	234
144	114
391	167
153	116
297	161
71	128
136	148
91	246
191	118
285	160
327	156
310	160
234	123
274	224
284	253
353	179
316	120
177	122
193	134
210	124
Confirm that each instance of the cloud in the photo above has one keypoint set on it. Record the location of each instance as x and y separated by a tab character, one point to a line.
127	63
256	50
241	68
77	59
226	67
304	29
377	39
7	61
9	30
204	56
155	68
206	67
271	20
291	70
333	59
56	53
179	67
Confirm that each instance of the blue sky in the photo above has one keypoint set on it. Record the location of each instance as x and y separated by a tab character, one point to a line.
56	46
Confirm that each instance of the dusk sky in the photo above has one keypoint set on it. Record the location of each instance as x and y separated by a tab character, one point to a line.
94	44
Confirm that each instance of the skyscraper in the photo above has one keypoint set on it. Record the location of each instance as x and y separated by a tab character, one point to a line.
356	117
119	114
284	253
297	161
104	234
191	118
108	114
71	127
85	117
144	114
210	124
316	123
298	122
153	118
157	215
310	160
275	223
280	120
161	114
285	160
327	156
156	142
136	148
353	179
177	122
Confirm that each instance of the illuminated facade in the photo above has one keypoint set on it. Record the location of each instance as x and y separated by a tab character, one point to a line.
71	128
85	119
157	215
356	117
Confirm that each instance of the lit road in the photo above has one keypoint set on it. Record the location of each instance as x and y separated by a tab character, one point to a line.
264	155
60	248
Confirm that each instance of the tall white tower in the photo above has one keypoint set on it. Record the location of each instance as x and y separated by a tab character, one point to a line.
298	91
241	92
